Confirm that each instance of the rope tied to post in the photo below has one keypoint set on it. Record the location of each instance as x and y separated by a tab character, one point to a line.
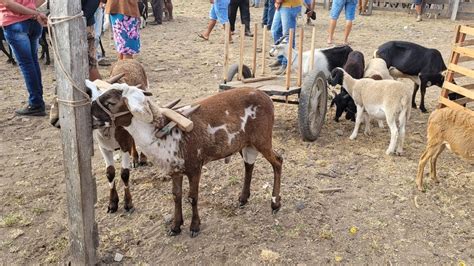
52	21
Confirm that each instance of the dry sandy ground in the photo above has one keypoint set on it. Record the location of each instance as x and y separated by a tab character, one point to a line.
377	200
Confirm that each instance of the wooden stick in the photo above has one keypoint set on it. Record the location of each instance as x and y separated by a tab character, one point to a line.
115	78
289	59
264	46
300	58
241	60
168	127
254	61
330	190
172	104
313	40
250	80
226	51
183	123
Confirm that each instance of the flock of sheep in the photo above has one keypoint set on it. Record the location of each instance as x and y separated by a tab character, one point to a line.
241	120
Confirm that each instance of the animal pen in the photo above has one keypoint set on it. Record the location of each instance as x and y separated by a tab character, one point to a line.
309	93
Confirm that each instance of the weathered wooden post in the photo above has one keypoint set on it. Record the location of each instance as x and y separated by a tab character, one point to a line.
76	133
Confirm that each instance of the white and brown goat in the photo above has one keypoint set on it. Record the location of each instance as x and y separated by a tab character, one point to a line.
115	138
446	128
238	120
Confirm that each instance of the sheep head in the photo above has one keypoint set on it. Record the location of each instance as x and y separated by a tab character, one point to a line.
280	47
337	77
119	104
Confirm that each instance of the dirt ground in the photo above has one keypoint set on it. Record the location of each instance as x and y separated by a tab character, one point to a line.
378	217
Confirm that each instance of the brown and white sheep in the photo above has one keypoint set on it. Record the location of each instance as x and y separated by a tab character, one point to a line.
238	120
116	138
449	128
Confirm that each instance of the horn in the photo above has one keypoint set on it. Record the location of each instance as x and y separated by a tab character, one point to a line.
139	86
444	73
115	78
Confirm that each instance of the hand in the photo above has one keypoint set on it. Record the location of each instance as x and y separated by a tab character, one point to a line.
277	5
42	19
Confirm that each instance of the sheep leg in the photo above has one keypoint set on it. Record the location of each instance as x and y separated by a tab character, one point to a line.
367	130
422	103
249	154
178	211
433	163
110	173
195	226
393	135
125	175
134	153
360	113
276	161
402	119
143	159
415	90
427	154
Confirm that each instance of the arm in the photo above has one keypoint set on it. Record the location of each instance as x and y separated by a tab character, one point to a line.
18	8
39	3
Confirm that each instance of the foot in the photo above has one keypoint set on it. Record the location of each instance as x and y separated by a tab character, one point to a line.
248	34
418	18
31	111
154	23
203	36
281	70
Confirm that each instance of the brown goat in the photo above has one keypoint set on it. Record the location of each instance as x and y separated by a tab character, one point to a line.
239	120
446	128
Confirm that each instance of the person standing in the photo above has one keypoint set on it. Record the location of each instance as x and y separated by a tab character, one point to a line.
244	7
336	8
22	27
219	12
418	9
285	19
157	6
125	21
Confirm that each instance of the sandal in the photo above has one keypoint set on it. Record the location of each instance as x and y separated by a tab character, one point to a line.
200	35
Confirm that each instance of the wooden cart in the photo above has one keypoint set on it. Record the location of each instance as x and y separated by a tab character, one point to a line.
309	94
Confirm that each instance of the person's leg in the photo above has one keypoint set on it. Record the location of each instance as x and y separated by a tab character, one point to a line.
99	21
92	54
270	14
418	4
169	7
23	38
288	22
277	32
336	9
157	6
265	11
350	9
245	16
234	4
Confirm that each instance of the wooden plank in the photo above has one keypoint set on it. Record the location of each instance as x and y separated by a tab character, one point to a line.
458	89
461	70
463	101
463	51
264	47
251	80
183	123
453	105
76	132
466	7
458	38
465	59
467	30
226	51
254	59
241	59
290	58
467	42
313	42
300	58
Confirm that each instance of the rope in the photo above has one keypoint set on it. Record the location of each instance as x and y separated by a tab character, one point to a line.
52	21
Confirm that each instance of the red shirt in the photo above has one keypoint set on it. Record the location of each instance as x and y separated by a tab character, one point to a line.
8	17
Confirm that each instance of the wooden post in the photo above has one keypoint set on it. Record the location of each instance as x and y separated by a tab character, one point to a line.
241	60
289	59
455	10
226	51
313	40
254	60
300	58
264	46
76	132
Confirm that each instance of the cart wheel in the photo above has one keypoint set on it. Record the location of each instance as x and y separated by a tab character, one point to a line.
234	70
312	105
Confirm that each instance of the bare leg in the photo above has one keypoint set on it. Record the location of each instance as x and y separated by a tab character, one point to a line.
332	27
347	31
94	73
209	29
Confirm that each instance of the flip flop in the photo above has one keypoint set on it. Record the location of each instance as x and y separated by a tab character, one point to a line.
200	35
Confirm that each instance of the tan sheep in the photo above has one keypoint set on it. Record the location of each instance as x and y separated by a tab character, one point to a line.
446	128
134	72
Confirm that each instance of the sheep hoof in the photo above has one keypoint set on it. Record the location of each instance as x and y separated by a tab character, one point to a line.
174	232
399	153
389	152
423	110
129	208
352	137
194	233
112	208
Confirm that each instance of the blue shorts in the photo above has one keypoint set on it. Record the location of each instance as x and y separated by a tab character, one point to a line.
417	2
219	11
349	8
308	2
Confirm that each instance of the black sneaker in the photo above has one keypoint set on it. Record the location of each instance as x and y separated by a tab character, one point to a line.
154	23
248	34
31	111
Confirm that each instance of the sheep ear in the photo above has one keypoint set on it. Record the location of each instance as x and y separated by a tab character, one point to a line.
138	104
92	90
